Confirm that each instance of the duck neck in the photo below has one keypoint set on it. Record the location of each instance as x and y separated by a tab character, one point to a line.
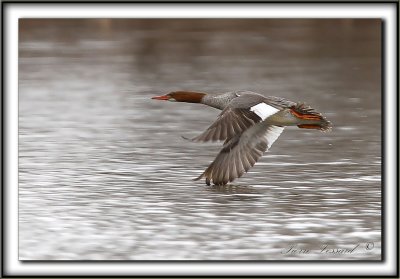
219	101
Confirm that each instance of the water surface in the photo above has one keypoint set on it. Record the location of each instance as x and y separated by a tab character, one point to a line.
105	175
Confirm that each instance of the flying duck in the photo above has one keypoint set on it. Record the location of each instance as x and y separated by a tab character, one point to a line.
249	124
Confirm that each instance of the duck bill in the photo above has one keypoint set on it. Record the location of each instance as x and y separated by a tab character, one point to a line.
163	98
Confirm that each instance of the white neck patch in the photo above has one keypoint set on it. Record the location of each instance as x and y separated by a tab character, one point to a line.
263	110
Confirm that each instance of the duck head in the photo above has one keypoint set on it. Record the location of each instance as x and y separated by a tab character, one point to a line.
182	96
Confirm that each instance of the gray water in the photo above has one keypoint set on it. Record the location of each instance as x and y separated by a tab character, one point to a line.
105	175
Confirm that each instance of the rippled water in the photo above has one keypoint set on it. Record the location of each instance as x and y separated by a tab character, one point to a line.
105	175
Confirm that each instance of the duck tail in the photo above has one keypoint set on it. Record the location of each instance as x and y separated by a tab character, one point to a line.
307	114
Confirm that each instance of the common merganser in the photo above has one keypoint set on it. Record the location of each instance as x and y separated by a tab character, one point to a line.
249	124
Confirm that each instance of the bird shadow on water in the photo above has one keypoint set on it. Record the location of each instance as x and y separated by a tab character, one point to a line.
237	191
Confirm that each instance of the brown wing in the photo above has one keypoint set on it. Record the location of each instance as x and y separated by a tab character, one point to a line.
241	153
242	113
231	122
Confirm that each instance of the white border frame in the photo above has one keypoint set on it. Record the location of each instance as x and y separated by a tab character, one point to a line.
13	12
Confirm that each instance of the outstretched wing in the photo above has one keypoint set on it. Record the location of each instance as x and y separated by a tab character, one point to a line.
241	153
242	113
229	123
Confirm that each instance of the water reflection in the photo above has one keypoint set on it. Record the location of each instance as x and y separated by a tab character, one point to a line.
104	173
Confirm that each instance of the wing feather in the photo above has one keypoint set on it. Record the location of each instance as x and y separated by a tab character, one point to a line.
230	122
242	112
240	153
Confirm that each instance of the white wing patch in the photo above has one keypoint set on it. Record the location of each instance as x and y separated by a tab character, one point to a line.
263	110
272	134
